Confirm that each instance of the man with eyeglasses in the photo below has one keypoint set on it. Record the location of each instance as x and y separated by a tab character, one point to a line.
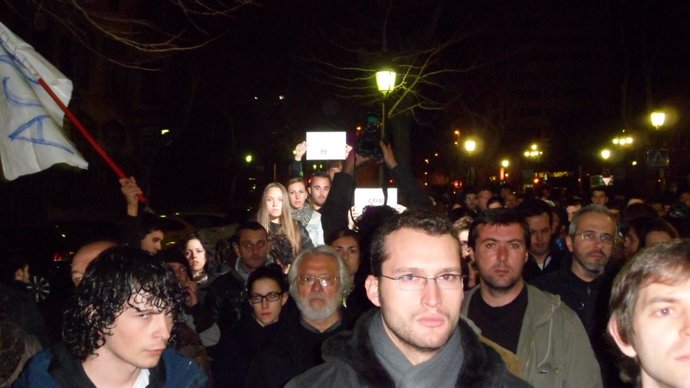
319	280
584	279
544	337
416	337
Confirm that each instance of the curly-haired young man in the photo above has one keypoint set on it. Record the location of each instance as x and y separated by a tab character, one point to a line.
117	329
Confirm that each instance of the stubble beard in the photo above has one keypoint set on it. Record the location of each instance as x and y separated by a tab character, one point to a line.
395	325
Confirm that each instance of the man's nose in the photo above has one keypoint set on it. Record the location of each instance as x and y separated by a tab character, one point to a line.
163	326
432	294
317	285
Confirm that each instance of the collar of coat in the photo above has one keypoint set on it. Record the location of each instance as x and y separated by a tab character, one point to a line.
482	366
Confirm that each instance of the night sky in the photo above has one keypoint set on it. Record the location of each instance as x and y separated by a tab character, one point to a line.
569	75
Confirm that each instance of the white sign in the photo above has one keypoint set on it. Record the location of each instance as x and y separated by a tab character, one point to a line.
326	145
374	197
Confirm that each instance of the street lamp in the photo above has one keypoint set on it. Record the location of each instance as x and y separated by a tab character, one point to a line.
470	146
658	119
655	156
533	152
605	154
385	81
503	175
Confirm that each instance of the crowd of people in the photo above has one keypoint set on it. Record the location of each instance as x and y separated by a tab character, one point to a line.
487	289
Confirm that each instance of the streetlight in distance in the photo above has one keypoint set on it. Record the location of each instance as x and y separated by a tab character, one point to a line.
470	146
533	152
503	175
605	154
658	119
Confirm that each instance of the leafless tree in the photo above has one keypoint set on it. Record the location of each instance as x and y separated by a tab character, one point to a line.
139	32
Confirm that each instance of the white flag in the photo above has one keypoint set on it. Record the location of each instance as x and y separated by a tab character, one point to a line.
30	121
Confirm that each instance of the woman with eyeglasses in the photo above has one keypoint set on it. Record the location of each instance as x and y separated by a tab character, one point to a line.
275	214
267	296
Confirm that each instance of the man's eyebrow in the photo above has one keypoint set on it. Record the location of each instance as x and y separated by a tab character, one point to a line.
662	299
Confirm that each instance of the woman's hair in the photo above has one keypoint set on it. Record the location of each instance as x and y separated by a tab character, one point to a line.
174	255
340	233
213	266
16	348
288	226
269	271
106	291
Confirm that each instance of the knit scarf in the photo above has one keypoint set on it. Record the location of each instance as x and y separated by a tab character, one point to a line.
303	215
439	372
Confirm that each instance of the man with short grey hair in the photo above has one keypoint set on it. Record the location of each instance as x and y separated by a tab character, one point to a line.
584	279
319	280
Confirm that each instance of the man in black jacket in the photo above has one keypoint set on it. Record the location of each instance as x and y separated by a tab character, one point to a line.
416	337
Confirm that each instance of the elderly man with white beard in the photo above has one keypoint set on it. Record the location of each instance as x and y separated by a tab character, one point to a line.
319	280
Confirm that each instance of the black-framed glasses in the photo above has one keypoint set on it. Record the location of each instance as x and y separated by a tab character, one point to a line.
589	235
324	280
412	282
270	297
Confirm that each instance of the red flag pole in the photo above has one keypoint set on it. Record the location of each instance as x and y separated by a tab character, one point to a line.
87	134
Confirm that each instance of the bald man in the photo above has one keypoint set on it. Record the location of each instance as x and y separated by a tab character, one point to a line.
85	255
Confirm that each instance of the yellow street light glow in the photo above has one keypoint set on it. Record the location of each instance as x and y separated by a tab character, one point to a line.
385	80
248	158
534	146
505	163
658	119
470	145
164	131
605	153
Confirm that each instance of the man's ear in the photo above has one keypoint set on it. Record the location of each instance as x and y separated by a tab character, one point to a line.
569	242
372	287
614	331
19	274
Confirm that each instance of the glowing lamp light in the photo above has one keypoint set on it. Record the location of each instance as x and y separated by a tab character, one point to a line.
470	145
385	80
505	163
658	119
605	154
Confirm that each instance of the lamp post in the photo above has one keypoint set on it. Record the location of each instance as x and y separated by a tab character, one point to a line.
385	80
470	146
503	174
533	153
655	157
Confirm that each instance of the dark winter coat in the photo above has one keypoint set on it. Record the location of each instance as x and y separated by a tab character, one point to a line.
351	362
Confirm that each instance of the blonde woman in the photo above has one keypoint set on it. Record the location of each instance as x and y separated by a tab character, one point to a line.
275	214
